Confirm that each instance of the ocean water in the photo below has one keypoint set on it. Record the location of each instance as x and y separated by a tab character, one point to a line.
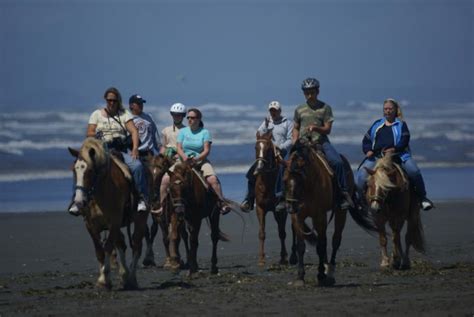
35	164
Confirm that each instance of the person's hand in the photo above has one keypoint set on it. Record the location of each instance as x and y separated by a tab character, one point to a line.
267	121
369	154
389	150
312	128
134	154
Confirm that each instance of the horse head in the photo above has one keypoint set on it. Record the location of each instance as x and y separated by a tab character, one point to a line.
380	182
159	165
90	159
180	184
295	177
264	153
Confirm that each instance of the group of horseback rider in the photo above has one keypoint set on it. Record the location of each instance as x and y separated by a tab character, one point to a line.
136	136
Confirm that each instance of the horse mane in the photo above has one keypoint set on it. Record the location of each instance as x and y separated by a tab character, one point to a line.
95	146
382	167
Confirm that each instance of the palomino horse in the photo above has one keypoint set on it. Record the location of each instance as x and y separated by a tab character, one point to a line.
104	195
159	165
393	200
266	172
192	201
310	192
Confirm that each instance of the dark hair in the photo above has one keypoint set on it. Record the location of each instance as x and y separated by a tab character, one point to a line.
198	115
116	92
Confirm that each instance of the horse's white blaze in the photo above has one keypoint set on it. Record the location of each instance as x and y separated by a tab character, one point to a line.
260	148
80	169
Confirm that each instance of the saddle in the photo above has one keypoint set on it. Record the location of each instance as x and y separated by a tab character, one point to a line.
317	150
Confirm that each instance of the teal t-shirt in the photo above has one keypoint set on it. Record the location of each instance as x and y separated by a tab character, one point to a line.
193	142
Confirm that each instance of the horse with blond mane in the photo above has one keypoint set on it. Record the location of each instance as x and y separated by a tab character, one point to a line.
310	193
392	199
104	194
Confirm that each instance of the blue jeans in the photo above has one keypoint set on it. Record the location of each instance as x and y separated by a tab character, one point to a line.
409	166
335	160
138	173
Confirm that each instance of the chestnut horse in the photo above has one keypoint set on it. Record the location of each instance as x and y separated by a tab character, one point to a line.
104	194
266	174
393	200
192	201
310	192
159	165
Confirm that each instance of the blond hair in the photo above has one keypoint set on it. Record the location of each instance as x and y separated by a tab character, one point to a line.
397	105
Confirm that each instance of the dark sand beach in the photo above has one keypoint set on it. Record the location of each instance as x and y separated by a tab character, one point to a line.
48	267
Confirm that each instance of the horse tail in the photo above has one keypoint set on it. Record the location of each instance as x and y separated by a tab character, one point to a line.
415	230
305	233
364	219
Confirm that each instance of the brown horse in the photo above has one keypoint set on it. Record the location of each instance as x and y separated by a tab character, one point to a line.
191	201
159	165
393	200
310	192
266	172
105	196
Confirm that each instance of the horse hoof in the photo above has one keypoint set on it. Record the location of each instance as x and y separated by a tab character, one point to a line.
148	262
261	263
298	283
328	281
284	262
293	259
214	270
105	286
130	285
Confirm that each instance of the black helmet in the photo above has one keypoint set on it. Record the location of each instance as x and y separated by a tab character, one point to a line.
310	83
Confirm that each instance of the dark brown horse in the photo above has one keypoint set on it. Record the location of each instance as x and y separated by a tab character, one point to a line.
393	200
310	193
266	173
105	196
159	165
192	201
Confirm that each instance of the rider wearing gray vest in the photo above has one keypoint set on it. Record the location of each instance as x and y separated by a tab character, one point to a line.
281	129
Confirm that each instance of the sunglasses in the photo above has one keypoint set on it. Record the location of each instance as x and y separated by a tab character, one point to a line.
111	100
191	118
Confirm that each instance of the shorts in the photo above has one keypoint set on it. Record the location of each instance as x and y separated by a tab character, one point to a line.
204	167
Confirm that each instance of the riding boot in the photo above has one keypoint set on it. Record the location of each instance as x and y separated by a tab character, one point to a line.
249	200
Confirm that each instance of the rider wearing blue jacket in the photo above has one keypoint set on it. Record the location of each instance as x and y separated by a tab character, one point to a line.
390	135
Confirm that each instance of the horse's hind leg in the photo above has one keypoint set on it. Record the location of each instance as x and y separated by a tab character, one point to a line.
139	224
281	217
215	232
261	235
150	235
397	252
123	270
339	224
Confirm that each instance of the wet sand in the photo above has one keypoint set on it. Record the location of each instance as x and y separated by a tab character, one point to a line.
48	267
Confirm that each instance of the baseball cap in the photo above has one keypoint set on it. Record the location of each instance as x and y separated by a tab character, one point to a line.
136	99
274	105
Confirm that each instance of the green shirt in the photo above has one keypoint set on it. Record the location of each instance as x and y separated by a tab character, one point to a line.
306	115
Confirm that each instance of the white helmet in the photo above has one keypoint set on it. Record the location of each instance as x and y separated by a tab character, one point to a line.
178	108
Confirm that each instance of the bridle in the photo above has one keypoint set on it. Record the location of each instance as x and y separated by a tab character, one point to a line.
272	165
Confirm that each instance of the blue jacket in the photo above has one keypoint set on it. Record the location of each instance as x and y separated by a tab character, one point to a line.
401	137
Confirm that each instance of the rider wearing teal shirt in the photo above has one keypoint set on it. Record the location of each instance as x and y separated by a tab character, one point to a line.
193	141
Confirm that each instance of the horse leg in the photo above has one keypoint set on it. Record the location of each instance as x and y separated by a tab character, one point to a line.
293	256
102	281
194	243
261	235
339	224
397	251
185	237
280	218
173	246
215	231
139	227
150	235
385	261
301	248
113	237
320	224
123	270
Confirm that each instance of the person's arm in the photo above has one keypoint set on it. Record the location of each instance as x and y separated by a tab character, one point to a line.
91	130
182	155
404	140
165	141
324	130
135	140
367	144
285	146
205	152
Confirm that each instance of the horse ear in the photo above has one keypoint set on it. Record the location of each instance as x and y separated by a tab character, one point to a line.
73	152
370	171
257	135
92	154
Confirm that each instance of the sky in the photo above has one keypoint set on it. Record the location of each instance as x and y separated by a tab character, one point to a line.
65	54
